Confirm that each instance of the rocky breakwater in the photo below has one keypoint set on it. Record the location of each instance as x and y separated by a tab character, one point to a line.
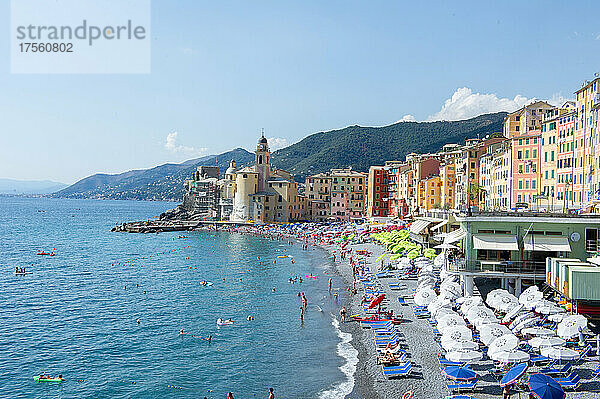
177	219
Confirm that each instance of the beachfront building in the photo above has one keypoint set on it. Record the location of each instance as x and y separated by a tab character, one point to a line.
447	180
318	195
263	195
377	192
525	119
202	194
585	183
494	176
514	247
351	189
525	169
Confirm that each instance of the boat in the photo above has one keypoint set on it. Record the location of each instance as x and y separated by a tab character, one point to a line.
221	322
49	379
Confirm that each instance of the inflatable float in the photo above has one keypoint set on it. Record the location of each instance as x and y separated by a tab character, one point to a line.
221	322
314	277
206	283
46	253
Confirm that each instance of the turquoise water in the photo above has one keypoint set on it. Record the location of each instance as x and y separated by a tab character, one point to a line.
77	313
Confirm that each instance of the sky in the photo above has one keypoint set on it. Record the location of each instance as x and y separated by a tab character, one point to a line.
222	71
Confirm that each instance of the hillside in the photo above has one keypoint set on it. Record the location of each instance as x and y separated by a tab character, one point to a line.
164	182
361	147
355	146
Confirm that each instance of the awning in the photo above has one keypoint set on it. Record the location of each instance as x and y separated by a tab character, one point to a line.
546	243
418	226
442	223
497	242
455	236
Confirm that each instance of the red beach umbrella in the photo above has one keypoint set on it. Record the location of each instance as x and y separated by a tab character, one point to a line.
376	301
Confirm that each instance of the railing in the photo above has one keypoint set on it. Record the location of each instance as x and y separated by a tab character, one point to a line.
483	266
591	245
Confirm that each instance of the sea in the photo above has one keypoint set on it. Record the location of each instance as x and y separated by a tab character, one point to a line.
107	310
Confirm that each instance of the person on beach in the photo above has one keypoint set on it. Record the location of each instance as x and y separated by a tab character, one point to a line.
343	314
271	394
506	392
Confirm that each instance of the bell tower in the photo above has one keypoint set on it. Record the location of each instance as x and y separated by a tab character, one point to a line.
262	161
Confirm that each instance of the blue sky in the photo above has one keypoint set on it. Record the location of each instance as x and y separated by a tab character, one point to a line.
223	70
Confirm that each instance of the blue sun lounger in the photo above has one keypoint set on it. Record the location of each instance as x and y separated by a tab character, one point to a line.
402	371
570	384
464	386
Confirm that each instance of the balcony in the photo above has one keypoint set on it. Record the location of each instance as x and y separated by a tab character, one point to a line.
501	267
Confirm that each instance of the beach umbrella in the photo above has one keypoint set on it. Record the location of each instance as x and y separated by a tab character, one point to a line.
547	307
541	342
425	296
481	321
544	387
446	246
489	332
443	312
514	374
521	318
507	342
531	298
558	317
450	321
559	353
468	303
457	333
492	295
571	325
538	331
509	356
376	301
464	356
459	373
507	306
511	314
478	312
524	324
460	345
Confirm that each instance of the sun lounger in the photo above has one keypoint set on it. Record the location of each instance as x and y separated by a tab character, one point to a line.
584	352
403	371
564	370
570	377
464	386
540	359
573	384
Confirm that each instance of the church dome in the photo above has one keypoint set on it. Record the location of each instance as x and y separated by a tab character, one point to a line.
262	140
231	169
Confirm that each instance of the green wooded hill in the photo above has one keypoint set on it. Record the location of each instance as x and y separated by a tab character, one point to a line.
355	146
360	147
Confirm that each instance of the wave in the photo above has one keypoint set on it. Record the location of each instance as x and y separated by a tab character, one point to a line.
346	351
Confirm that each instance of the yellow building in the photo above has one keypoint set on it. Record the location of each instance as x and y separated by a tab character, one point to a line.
318	196
448	188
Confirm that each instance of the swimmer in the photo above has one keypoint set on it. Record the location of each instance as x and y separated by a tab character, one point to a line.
181	332
273	289
249	318
138	321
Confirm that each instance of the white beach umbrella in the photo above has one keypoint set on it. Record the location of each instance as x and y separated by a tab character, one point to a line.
478	312
522	317
460	346
450	321
489	332
425	296
440	313
457	333
547	307
445	246
450	285
531	298
511	314
533	288
510	356
571	326
507	342
451	295
558	317
540	342
538	331
559	353
464	356
439	303
524	324
506	306
492	295
425	285
481	321
468	303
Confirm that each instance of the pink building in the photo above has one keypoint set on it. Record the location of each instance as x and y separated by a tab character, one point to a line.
525	167
339	202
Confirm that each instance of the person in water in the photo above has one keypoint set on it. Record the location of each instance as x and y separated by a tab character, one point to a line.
230	396
271	394
343	314
301	313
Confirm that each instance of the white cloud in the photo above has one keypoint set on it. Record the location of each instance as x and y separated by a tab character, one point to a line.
465	104
407	118
277	143
557	100
172	146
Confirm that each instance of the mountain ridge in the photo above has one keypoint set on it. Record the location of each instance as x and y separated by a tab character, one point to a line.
354	146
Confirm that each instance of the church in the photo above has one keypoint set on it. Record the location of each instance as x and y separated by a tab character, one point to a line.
261	194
